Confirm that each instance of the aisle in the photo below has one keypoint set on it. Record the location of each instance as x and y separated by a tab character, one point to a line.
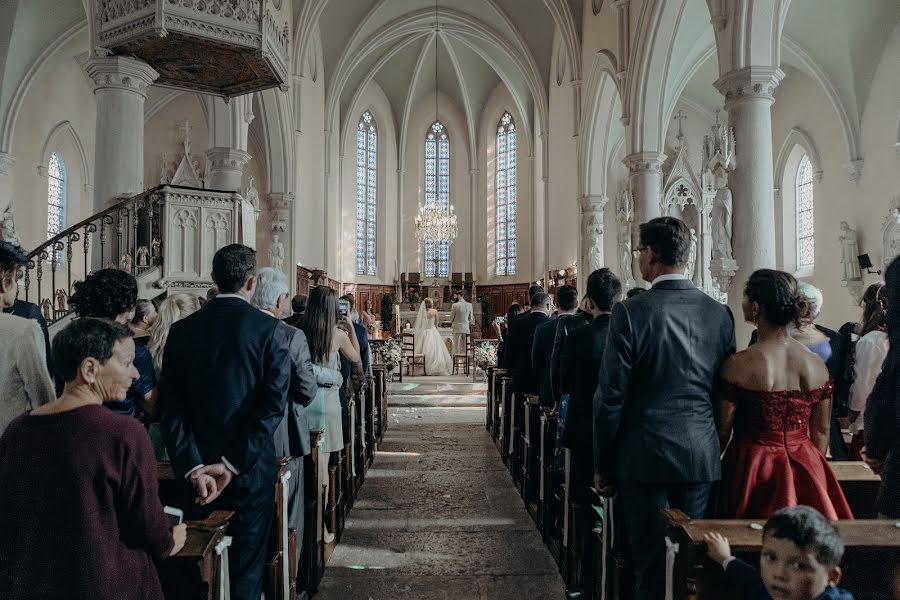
438	517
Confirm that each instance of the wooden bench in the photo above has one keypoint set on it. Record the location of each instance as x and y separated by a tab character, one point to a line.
489	399
870	564
531	462
199	570
312	553
505	423
860	485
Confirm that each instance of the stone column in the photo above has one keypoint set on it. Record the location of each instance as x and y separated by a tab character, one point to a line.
748	100
8	231
120	86
645	180
227	154
474	189
226	168
591	257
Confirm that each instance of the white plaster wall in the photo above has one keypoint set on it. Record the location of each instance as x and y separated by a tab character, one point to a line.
163	133
309	203
374	100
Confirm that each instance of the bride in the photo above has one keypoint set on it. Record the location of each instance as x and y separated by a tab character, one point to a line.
428	341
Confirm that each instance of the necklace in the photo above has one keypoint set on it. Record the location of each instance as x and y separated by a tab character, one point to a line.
147	331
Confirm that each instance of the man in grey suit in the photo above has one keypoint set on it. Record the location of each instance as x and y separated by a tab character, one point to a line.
292	435
461	322
655	441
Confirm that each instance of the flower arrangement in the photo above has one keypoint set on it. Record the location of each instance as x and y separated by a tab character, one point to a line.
485	355
390	354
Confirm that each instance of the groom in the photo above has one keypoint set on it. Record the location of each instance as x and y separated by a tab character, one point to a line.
462	318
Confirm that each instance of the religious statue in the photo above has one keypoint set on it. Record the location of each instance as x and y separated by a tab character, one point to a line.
592	239
252	194
721	221
143	256
849	253
47	309
62	300
126	263
595	258
693	268
155	247
625	208
276	254
8	228
165	172
625	256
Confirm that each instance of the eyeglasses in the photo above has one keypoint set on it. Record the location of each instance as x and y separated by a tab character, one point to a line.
637	251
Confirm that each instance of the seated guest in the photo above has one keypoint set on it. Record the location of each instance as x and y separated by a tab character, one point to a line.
84	520
776	397
24	381
800	559
869	353
10	254
142	322
112	294
298	307
525	376
501	328
545	337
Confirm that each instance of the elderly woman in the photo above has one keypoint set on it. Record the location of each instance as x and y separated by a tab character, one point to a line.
83	520
112	294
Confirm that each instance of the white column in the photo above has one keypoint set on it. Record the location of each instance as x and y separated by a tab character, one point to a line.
7	222
401	260
473	186
120	86
226	168
227	154
645	178
591	257
748	100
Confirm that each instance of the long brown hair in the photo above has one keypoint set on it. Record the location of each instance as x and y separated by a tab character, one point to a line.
874	303
319	321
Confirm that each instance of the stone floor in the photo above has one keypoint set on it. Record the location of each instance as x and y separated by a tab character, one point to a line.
438	517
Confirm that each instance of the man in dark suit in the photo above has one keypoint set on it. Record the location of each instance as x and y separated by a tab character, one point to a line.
526	379
544	336
298	307
223	392
655	439
292	436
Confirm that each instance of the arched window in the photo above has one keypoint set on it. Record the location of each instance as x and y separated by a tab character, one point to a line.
803	187
437	190
366	205
56	195
506	195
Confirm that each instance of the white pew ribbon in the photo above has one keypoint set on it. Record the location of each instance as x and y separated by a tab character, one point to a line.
286	555
671	551
224	578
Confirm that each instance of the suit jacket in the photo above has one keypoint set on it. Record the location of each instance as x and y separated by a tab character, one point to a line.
580	368
653	411
521	338
461	317
567	324
541	353
224	387
30	310
292	435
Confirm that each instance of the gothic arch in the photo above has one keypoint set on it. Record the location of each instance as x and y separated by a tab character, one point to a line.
602	97
797	137
65	132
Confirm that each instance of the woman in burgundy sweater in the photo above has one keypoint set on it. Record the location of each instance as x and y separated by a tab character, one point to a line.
79	512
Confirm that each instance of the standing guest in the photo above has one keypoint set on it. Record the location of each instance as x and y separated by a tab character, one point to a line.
501	328
142	322
83	520
212	292
882	416
24	381
654	434
298	307
870	351
776	398
367	317
567	324
223	391
112	294
526	379
634	292
362	336
10	254
544	342
292	434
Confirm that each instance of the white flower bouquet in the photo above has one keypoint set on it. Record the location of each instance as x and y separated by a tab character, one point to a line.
390	354
485	355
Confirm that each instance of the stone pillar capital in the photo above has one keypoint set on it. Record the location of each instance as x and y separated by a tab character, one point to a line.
641	162
592	204
226	159
749	84
281	200
7	161
120	73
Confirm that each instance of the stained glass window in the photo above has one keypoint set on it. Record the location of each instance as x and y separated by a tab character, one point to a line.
805	214
366	205
56	195
437	190
506	195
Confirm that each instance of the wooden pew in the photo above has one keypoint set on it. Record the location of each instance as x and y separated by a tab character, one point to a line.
552	494
860	485
871	556
312	552
346	465
531	462
360	463
281	574
489	403
497	401
383	404
199	570
505	423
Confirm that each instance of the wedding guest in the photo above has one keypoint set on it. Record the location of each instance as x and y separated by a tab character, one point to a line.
212	292
24	381
800	559
142	322
501	329
526	378
545	336
776	398
870	351
567	324
298	307
112	294
882	415
362	336
634	292
83	520
654	434
12	257
367	317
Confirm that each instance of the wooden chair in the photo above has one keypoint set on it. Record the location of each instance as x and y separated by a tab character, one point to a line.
409	353
463	359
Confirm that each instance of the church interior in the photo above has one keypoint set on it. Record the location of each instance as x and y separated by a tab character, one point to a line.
399	150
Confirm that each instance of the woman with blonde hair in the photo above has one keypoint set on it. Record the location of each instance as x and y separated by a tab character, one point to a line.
173	309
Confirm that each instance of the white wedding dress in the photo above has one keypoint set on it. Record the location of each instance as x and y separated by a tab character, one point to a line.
428	343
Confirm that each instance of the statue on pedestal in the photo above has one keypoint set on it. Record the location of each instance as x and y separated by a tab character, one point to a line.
47	309
252	194
849	253
143	256
720	220
8	228
62	300
127	263
691	269
276	254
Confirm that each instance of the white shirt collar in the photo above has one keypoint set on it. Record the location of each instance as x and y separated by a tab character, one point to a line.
230	296
268	312
669	277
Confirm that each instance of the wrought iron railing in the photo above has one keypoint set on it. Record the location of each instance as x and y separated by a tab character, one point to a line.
127	235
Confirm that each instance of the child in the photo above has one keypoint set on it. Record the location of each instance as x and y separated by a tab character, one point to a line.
800	558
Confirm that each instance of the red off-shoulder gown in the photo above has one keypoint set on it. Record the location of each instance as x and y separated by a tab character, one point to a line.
771	462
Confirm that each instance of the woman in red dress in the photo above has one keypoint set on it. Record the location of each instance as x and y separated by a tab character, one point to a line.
775	397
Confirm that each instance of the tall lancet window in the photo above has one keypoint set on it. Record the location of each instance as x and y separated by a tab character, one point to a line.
506	195
437	190
806	247
366	204
56	195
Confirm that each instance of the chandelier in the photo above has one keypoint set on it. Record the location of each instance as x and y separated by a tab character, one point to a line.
434	224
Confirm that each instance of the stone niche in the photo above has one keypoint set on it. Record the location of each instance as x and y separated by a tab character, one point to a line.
220	47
